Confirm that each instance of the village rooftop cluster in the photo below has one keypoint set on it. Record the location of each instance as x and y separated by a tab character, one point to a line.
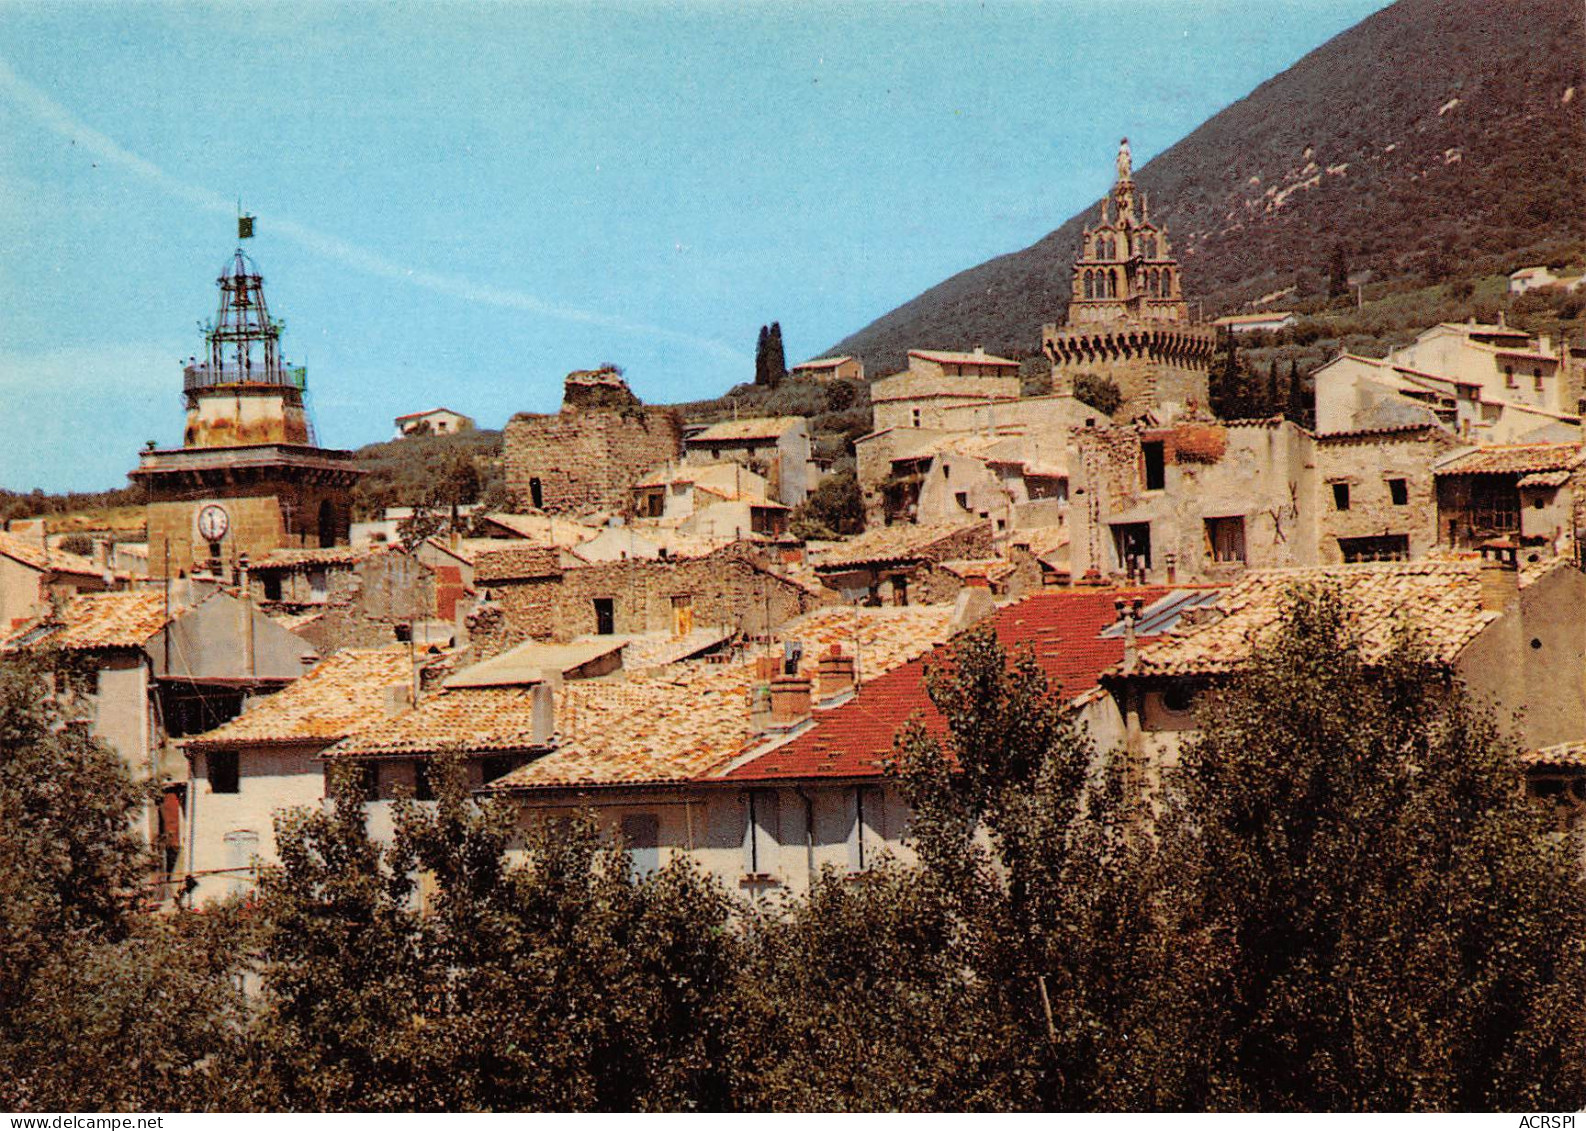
643	636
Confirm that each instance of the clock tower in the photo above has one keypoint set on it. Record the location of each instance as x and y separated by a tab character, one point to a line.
249	477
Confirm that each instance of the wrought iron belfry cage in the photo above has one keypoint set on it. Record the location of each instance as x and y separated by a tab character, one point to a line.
244	341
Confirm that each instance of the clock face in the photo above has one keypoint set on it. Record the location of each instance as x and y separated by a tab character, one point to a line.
213	523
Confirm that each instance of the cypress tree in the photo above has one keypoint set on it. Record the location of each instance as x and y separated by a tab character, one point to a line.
760	368
1299	406
1274	402
1337	273
776	359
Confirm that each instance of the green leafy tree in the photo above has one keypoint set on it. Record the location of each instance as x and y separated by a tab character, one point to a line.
1023	832
1394	926
71	862
563	983
855	998
1101	393
834	509
101	1005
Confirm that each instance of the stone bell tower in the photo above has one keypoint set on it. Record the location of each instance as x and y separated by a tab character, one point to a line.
1127	318
249	477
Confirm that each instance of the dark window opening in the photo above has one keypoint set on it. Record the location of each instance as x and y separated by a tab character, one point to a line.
214	550
962	499
495	766
224	774
423	788
191	710
536	494
1155	465
327	523
605	616
1341	496
369	780
1382	548
1225	539
1132	543
272	587
1399	491
1178	699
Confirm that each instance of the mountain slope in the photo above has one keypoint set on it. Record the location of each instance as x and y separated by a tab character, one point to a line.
1436	138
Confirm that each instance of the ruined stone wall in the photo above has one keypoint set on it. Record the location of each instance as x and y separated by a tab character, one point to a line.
587	459
1367	462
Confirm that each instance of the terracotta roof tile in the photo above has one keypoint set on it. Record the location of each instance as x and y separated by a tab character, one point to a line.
962	357
851	740
315	556
340	695
544	529
1509	459
97	620
677	723
515	561
1563	754
35	556
756	428
904	542
478	720
1441	599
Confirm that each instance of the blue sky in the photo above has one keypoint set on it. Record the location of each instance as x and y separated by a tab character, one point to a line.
458	203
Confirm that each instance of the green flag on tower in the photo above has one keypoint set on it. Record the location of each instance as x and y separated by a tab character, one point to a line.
244	227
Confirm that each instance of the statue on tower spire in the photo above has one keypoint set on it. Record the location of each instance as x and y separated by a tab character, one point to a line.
1125	161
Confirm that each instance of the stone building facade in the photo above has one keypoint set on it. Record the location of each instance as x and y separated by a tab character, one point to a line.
938	381
532	595
1377	493
1197	501
1127	319
588	456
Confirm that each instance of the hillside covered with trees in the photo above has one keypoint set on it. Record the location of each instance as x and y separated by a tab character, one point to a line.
1436	140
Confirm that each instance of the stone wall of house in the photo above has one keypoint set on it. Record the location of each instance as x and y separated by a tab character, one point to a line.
588	456
1259	474
726	589
1367	463
873	457
920	400
359	606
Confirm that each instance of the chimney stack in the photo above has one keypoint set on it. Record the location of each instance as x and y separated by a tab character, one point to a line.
398	698
1500	577
1129	615
836	674
542	714
790	700
974	603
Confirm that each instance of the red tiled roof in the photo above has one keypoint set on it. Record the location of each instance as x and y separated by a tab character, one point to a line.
851	740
